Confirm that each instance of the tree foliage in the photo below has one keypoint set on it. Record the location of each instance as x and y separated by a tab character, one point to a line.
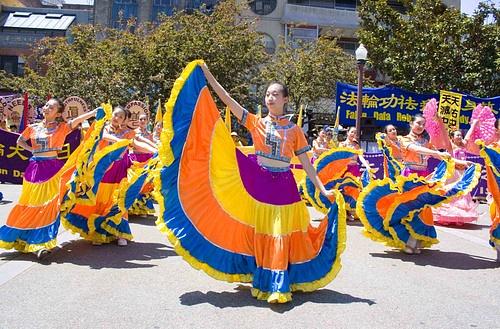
430	47
142	62
310	70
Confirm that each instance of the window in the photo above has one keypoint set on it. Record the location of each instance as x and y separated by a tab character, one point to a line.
322	3
295	34
262	7
345	4
20	66
348	46
9	64
207	6
122	11
166	7
334	4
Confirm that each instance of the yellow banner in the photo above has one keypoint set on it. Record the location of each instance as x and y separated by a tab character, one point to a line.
449	108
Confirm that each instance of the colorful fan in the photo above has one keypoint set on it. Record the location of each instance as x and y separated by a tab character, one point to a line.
485	130
430	112
435	127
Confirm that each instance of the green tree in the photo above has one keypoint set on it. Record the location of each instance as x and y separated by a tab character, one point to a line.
227	42
142	62
428	46
310	70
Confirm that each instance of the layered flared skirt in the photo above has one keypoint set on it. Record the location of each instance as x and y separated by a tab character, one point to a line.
101	220
394	210
230	217
144	203
34	221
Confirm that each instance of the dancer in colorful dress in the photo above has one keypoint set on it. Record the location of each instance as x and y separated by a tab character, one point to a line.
491	155
143	206
142	134
397	209
462	209
319	145
350	192
241	219
392	140
352	143
98	221
33	223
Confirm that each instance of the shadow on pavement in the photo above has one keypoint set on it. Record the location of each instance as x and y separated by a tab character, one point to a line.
83	253
444	259
5	202
242	297
145	221
12	254
467	227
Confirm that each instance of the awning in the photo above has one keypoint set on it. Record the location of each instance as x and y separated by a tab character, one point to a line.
37	21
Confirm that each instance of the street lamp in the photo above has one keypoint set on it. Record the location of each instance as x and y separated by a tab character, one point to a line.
361	55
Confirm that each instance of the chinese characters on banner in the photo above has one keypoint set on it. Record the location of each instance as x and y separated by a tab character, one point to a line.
388	105
14	159
449	109
391	105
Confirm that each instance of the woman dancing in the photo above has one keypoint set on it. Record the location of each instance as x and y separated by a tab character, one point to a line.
33	223
241	219
461	209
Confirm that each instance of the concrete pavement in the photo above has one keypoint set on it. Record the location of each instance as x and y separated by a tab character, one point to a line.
146	285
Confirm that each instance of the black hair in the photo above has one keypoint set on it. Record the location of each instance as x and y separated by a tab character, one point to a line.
60	105
417	116
284	88
128	114
497	123
452	132
386	128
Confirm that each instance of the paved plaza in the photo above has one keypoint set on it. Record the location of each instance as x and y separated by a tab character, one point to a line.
456	284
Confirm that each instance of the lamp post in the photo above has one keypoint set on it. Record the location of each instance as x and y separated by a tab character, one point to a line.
361	55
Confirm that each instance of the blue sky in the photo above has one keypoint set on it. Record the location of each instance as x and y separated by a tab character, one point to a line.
468	6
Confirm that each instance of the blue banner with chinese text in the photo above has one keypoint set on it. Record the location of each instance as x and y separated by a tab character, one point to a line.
396	106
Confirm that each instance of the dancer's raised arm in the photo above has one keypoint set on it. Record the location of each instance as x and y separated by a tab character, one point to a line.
76	121
233	105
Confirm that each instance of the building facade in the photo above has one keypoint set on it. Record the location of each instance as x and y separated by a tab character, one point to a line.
22	27
278	20
114	13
